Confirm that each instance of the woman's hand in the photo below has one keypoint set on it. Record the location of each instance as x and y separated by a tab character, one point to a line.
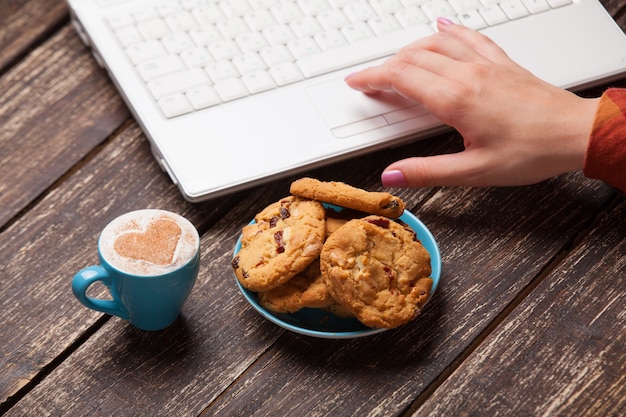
517	129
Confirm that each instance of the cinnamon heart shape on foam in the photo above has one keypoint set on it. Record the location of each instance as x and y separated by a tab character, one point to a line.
157	244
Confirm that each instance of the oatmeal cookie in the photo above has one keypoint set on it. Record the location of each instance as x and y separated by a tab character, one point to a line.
286	237
338	310
335	219
306	289
344	195
378	270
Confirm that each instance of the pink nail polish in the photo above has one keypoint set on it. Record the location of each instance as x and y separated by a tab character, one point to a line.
393	178
444	21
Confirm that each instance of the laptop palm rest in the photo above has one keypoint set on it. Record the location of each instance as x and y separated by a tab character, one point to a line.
348	112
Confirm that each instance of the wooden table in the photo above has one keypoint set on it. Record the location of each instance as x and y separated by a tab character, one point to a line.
528	319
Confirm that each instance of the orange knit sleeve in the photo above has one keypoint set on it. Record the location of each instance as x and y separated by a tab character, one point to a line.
606	153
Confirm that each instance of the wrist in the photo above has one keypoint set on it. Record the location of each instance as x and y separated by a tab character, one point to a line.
577	131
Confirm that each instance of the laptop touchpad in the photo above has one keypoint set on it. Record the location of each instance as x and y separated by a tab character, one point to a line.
349	112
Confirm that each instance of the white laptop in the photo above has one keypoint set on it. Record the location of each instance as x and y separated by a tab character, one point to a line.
234	93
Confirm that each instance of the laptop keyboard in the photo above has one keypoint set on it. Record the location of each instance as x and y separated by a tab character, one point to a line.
194	54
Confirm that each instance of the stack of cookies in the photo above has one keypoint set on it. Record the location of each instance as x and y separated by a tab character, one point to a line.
360	262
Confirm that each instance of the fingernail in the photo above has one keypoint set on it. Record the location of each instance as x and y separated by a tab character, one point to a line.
444	21
393	178
348	76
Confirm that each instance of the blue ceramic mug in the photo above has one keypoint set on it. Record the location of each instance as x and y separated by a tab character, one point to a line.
149	261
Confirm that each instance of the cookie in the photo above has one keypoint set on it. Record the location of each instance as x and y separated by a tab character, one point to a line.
344	195
286	237
306	289
335	219
332	224
339	310
378	270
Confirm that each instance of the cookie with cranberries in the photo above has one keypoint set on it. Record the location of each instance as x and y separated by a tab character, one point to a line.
305	290
284	239
378	270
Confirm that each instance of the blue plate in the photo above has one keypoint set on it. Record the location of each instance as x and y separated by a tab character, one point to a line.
319	323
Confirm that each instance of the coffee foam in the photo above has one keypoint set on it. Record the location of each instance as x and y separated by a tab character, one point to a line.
148	242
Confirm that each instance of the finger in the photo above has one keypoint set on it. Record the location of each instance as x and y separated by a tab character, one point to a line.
409	81
467	168
442	45
370	80
395	74
440	54
480	43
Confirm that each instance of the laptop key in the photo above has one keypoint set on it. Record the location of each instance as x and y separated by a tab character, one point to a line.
231	89
472	19
221	70
330	39
143	51
559	3
196	57
514	9
174	105
128	35
202	97
493	14
248	63
285	73
153	29
536	6
437	8
160	66
357	32
258	81
177	82
275	55
177	42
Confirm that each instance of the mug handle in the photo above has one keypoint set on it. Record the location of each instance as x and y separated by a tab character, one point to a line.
87	276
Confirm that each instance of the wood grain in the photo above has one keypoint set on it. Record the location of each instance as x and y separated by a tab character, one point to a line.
215	316
24	24
615	8
562	352
527	320
41	251
51	120
494	243
489	240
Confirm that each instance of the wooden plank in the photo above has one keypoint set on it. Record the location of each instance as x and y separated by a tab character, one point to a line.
494	241
40	252
24	23
55	107
562	352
